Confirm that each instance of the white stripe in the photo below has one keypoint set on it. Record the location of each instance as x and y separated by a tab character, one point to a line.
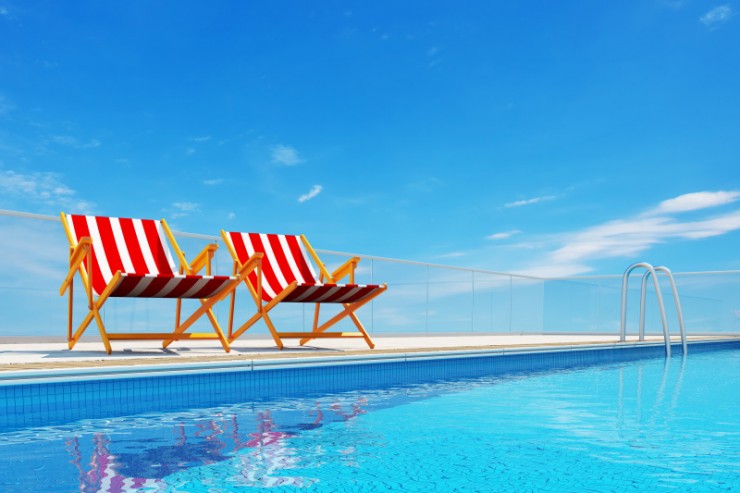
171	284
351	293
128	266
251	251
199	284
307	293
331	292
307	259
100	253
273	261
291	260
145	250
166	248
141	285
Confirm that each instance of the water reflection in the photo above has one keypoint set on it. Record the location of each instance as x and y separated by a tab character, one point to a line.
257	448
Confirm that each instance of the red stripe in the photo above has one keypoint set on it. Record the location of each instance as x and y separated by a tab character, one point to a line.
268	273
155	287
360	295
281	259
183	285
212	287
81	230
300	260
243	256
155	246
342	291
133	247
127	285
109	244
239	247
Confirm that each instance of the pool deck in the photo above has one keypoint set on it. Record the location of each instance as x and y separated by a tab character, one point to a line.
45	355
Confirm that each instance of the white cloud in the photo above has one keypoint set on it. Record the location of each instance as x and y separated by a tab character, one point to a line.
69	141
4	11
213	182
230	215
190	151
183	209
535	200
697	200
315	190
717	16
577	252
285	155
503	235
205	138
41	187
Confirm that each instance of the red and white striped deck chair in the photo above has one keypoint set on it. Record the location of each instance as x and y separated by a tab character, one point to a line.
118	257
284	274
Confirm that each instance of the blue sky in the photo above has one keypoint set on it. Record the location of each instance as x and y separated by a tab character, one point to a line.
551	138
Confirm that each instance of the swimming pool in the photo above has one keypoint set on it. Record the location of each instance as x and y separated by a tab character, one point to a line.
642	425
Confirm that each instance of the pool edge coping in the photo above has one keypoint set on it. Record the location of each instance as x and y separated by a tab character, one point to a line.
59	375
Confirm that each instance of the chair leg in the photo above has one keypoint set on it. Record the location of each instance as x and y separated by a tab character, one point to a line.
204	308
361	328
101	328
83	325
349	309
218	330
272	329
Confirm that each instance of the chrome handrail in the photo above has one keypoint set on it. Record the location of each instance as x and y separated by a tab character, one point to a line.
661	306
676	301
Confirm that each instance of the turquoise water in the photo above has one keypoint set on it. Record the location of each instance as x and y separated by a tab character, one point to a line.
650	425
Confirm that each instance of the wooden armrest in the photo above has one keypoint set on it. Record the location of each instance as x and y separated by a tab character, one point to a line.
203	259
347	268
254	262
75	259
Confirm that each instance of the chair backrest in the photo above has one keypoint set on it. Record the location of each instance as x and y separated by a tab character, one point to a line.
285	260
132	246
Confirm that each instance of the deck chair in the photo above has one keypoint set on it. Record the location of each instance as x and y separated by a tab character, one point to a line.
284	274
118	257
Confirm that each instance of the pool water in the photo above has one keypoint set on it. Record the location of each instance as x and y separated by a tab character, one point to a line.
649	425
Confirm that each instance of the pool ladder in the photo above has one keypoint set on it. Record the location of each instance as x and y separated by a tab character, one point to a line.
651	272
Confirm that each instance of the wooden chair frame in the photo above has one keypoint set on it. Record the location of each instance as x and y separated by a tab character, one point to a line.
81	251
347	269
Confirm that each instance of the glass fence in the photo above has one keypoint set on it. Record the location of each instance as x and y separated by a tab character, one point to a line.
421	298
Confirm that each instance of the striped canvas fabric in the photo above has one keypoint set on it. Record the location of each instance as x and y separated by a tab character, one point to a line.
285	261
138	249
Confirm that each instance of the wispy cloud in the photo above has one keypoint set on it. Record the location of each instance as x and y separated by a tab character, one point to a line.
716	16
213	182
4	11
205	138
69	141
315	190
535	200
41	188
696	201
503	235
285	155
573	252
183	209
190	151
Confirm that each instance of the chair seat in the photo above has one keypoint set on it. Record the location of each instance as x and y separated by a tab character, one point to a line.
331	293
169	286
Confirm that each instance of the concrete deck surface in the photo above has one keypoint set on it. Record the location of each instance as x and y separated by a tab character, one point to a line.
43	355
